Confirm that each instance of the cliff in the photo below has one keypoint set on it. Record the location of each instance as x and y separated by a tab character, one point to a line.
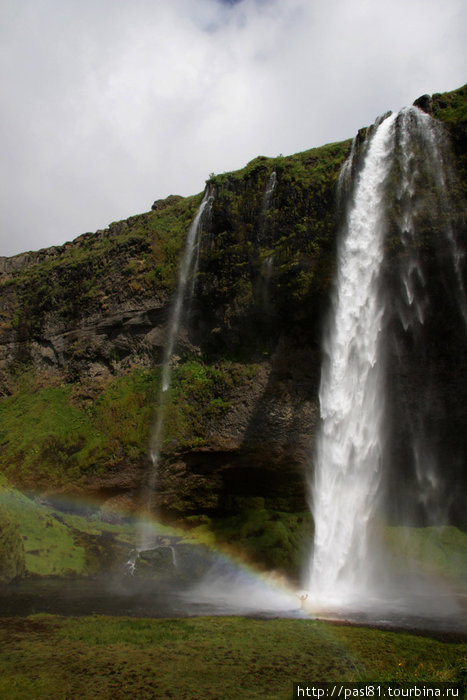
82	332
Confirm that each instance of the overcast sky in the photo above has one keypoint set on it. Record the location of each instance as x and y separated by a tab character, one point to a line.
108	105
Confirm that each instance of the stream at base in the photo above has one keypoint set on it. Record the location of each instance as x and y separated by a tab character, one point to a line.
106	595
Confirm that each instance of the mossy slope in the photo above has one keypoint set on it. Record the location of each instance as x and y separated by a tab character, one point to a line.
51	542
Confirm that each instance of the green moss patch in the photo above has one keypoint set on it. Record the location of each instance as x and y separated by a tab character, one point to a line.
451	107
39	540
44	436
200	393
63	435
267	538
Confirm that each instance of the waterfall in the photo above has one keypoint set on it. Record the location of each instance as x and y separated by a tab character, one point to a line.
186	271
268	192
130	565
424	196
388	409
349	446
344	183
267	264
266	206
424	166
186	277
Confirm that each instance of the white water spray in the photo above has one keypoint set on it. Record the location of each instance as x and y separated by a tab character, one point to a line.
130	565
349	447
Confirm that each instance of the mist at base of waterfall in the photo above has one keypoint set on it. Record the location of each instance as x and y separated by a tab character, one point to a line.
127	596
240	592
407	588
414	601
416	578
430	609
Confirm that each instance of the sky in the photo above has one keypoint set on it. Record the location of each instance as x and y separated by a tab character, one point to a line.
108	105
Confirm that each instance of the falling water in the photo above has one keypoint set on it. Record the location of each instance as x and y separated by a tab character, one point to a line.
267	264
413	305
344	183
423	158
426	183
439	158
375	334
349	448
187	272
266	206
268	192
130	565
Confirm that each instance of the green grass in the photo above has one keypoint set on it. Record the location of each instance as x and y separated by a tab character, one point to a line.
56	543
50	542
225	658
40	540
44	436
311	165
451	107
60	435
53	436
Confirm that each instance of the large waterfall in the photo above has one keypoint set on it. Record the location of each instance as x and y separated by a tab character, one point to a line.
348	467
373	422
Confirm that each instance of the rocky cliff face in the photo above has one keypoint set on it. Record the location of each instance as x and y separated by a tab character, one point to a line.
91	307
82	329
89	316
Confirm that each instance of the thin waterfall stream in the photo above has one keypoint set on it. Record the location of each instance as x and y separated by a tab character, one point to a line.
267	266
186	281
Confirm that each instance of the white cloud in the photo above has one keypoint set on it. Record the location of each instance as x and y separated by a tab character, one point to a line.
110	104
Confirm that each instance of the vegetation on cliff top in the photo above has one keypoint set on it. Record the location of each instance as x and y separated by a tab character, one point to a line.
135	258
451	108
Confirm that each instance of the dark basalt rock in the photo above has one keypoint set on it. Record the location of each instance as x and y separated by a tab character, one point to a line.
175	561
424	103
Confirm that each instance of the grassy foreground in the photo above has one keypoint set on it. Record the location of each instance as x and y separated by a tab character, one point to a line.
104	657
